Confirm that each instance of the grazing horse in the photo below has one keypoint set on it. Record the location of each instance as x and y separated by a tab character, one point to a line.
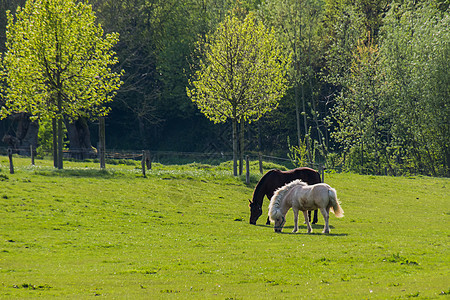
275	179
304	197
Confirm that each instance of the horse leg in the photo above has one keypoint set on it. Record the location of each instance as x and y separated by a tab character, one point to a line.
268	221
295	210
305	214
315	217
326	214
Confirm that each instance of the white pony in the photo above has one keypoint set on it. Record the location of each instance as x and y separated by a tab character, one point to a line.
301	196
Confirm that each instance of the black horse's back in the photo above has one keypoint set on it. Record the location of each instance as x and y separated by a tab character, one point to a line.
308	175
275	179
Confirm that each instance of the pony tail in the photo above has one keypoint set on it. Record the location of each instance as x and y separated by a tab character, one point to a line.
338	211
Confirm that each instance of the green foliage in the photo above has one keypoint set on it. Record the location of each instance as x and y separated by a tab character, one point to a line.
57	64
298	154
183	232
389	106
299	26
345	28
416	59
359	109
241	73
45	138
58	61
393	111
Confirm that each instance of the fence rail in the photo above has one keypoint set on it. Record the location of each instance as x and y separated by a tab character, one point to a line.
164	157
175	157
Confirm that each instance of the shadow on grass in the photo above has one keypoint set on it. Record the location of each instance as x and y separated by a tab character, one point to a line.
302	230
89	173
313	226
315	233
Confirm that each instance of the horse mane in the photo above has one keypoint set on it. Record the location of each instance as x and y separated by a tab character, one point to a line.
257	197
278	196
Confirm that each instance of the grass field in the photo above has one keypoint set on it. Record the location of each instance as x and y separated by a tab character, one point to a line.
183	233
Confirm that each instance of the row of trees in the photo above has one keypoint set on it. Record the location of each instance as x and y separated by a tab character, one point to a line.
394	106
367	79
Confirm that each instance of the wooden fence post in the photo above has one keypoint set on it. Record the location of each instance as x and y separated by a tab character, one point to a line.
11	165
260	163
148	160
102	146
32	155
247	173
143	163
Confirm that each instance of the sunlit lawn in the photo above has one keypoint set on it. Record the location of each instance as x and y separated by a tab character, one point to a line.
183	232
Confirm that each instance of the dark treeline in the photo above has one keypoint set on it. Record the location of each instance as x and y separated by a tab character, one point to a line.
369	85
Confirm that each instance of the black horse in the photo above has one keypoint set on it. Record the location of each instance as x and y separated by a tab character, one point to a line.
275	179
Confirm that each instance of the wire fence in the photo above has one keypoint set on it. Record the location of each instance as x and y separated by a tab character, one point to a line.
118	156
163	157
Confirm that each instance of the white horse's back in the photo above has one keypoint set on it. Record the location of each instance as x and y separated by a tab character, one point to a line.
314	196
302	197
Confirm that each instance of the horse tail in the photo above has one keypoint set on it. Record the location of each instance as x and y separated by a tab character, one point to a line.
335	206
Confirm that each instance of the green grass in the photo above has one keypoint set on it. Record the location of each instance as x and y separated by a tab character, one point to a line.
183	233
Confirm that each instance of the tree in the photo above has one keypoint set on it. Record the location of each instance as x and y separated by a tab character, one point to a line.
241	74
57	64
359	109
298	24
415	56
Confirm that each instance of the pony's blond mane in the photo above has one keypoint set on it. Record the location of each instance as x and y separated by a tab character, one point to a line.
278	196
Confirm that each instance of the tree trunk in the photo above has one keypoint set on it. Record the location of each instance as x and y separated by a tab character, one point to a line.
305	120
308	144
297	79
55	143
59	114
60	144
313	103
241	147
30	138
79	139
235	146
102	140
26	134
297	115
60	133
142	132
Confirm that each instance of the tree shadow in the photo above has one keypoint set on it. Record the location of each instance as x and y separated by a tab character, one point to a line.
88	173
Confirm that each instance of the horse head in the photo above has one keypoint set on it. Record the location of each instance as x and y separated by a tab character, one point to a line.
279	223
255	212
